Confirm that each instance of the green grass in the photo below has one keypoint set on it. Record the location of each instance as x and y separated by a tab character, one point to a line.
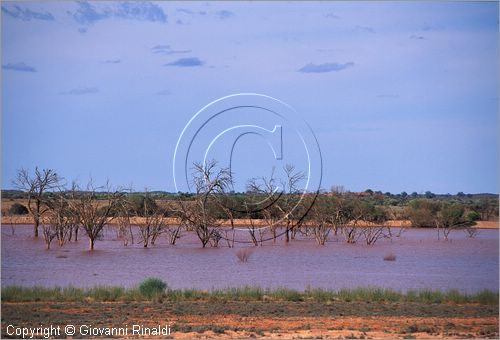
373	294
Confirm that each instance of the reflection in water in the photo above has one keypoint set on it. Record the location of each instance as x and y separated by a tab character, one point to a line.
421	262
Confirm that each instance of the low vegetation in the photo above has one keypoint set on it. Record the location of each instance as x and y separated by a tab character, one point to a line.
390	257
152	288
243	254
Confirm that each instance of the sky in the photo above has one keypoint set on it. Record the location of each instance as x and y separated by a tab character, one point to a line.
400	96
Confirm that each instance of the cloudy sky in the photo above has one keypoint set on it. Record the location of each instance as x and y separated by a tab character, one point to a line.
400	95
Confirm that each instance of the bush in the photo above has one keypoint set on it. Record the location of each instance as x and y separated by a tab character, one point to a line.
423	212
390	257
243	254
152	287
18	209
472	216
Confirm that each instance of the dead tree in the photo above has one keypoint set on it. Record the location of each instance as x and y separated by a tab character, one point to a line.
352	214
319	220
174	230
263	194
61	219
49	233
281	207
288	204
95	207
374	228
35	187
151	225
451	217
201	214
124	226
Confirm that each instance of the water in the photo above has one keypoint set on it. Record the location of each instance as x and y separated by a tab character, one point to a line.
467	264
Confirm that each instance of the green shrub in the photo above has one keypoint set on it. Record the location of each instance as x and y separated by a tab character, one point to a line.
152	287
18	209
472	216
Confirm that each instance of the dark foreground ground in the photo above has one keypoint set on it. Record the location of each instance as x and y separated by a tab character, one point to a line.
269	319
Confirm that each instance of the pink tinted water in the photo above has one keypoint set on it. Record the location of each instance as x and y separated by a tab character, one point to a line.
467	264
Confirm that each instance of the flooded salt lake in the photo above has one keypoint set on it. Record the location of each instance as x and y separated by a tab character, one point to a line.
467	264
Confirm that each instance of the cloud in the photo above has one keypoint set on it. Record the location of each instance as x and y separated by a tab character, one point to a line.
388	95
434	27
326	67
26	14
224	14
88	14
331	16
163	93
80	91
186	62
112	61
364	29
185	11
190	12
167	50
18	67
417	37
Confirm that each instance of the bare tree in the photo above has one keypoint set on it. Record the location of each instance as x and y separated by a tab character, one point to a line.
352	214
451	217
201	214
61	219
49	233
151	225
281	207
375	228
263	192
288	203
95	207
174	231
123	219
320	219
35	187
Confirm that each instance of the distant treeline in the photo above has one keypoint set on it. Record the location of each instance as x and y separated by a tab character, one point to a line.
383	198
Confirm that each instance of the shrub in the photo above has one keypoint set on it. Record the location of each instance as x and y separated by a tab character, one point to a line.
390	257
423	212
18	209
244	254
472	216
152	287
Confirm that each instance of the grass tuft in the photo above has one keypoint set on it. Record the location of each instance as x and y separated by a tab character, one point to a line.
390	257
244	254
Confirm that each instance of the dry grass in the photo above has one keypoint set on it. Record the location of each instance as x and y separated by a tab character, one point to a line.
390	257
244	254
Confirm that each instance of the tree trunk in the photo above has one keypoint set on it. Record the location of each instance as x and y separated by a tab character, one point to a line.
91	243
35	228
